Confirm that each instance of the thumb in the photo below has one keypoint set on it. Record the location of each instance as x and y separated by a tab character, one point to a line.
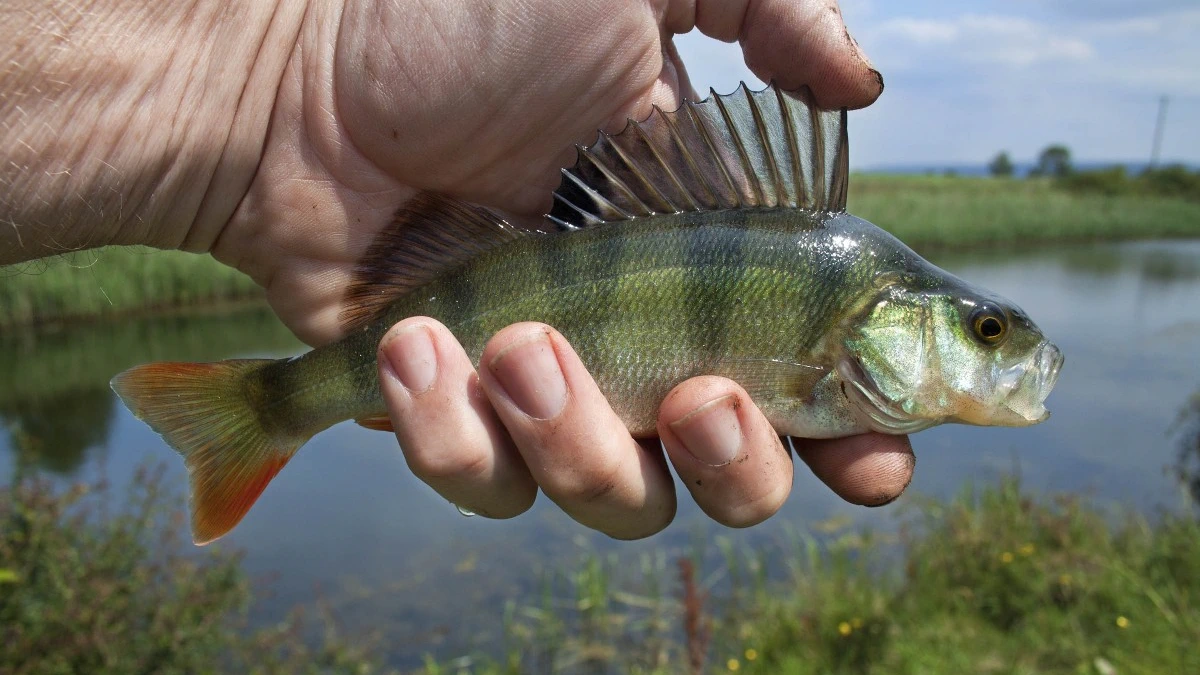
795	43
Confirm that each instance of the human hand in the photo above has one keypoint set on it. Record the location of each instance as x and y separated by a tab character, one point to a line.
533	417
484	101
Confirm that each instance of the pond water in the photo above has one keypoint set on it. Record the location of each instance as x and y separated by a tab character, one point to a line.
347	523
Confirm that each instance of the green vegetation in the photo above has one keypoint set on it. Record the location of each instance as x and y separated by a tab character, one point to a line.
994	581
1172	182
944	212
85	589
1001	166
924	211
116	281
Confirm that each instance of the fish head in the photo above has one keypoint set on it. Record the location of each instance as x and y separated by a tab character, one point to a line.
940	350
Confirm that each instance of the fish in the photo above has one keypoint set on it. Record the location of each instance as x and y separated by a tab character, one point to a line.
712	239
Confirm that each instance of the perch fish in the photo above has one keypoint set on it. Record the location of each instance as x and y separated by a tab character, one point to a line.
709	240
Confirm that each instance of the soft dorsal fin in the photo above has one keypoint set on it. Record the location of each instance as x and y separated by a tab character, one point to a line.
746	149
429	235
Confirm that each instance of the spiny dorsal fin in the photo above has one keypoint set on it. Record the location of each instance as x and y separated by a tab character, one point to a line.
429	235
747	149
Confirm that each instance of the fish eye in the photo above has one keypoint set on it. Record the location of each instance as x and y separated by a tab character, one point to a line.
990	324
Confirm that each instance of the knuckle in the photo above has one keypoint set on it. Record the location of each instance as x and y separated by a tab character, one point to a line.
579	483
754	510
434	465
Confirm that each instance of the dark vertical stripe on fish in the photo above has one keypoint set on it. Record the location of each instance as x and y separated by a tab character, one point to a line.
715	264
458	299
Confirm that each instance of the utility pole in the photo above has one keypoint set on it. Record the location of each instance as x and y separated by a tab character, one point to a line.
1158	131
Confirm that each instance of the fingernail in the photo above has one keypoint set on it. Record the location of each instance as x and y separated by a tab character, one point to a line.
412	358
529	373
712	433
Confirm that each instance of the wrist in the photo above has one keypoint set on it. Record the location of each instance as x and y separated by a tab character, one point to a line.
131	122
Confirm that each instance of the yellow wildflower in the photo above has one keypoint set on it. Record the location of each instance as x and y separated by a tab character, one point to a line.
1027	549
845	628
1006	557
751	654
1122	622
733	665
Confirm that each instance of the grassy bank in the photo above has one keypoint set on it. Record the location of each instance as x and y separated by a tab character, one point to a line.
116	281
927	212
995	581
95	582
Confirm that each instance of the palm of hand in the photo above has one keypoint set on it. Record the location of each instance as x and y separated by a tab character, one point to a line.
482	101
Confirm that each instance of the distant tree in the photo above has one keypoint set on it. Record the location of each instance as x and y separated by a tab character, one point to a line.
1054	161
1001	166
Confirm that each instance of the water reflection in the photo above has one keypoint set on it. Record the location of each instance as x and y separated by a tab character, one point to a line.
55	431
57	405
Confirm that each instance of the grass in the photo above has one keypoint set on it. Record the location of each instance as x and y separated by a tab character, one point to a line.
47	363
92	582
116	281
994	581
926	212
937	212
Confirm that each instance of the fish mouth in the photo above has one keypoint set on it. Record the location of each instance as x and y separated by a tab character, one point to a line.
871	406
1029	385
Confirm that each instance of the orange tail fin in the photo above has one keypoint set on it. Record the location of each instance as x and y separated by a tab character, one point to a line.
206	411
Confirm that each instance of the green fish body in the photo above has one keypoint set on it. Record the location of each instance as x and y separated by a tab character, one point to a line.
711	240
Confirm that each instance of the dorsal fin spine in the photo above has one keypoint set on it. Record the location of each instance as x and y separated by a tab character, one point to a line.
746	149
634	200
818	152
621	214
698	121
637	172
740	146
781	191
654	149
588	217
840	190
687	157
799	193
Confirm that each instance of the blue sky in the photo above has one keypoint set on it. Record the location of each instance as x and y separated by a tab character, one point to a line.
967	79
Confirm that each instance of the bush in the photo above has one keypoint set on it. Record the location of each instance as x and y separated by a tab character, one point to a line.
1111	181
86	588
1172	181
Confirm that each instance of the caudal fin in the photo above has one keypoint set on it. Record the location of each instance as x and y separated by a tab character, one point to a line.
207	412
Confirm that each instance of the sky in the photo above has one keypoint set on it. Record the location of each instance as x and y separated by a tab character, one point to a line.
966	79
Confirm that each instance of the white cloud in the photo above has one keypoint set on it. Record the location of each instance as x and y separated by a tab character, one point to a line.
965	82
988	39
919	31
